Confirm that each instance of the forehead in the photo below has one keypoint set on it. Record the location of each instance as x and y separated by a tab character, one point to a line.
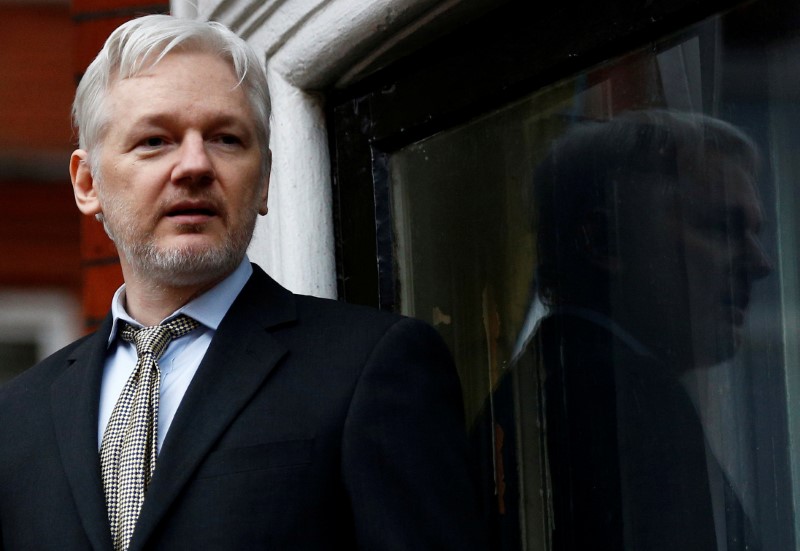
720	186
182	83
712	177
724	180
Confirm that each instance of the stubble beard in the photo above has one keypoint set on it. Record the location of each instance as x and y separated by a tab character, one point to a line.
181	266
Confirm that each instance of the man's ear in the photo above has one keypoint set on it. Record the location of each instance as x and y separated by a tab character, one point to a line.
597	241
83	184
264	193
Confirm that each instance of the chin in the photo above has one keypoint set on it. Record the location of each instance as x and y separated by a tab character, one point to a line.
722	347
187	265
189	259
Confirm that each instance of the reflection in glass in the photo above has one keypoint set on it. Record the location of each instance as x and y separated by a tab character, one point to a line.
613	262
648	249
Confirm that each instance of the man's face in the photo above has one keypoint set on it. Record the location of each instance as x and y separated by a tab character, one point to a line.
178	176
690	254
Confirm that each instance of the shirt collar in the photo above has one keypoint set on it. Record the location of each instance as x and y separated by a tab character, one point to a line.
209	308
613	327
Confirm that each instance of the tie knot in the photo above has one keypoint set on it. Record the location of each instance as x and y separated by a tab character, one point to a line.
154	340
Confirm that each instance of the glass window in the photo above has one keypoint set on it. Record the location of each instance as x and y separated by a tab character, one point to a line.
613	261
15	357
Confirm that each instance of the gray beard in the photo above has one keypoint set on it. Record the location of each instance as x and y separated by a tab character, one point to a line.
182	266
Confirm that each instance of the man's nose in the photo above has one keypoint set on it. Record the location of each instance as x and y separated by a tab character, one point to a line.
759	264
193	163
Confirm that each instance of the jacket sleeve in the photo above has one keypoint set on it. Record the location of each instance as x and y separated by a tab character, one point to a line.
404	448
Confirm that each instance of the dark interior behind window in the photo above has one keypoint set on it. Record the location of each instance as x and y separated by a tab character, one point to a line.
595	205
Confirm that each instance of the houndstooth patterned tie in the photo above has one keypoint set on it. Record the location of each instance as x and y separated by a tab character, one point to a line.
130	441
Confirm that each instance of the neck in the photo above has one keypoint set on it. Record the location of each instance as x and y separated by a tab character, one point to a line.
149	302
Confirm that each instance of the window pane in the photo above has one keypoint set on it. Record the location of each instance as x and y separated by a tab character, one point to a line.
15	357
613	261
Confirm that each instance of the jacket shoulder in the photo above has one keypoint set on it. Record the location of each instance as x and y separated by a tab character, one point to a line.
336	308
356	321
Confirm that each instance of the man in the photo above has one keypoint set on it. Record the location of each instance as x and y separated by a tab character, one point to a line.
213	409
648	248
652	219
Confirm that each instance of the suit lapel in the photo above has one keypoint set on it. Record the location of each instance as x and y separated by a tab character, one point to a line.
239	359
75	396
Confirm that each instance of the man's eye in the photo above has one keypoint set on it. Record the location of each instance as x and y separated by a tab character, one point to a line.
153	142
228	139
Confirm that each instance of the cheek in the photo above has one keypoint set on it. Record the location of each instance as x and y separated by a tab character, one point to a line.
708	273
708	253
247	194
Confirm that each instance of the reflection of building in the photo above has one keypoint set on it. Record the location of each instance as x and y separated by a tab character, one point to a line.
405	130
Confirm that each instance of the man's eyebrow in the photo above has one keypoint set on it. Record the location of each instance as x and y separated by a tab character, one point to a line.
169	118
749	216
738	216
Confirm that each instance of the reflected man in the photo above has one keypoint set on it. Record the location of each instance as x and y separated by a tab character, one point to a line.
648	250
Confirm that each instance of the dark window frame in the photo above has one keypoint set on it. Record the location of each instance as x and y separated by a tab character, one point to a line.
459	76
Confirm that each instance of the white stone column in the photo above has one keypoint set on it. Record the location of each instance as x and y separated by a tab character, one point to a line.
294	242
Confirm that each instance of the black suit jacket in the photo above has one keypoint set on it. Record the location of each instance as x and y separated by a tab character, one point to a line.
309	424
625	450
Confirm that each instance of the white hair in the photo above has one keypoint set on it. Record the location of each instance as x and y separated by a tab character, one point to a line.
139	45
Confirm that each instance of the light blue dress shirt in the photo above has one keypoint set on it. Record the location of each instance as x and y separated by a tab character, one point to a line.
182	356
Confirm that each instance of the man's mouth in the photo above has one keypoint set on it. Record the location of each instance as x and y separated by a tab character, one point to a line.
191	212
736	304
